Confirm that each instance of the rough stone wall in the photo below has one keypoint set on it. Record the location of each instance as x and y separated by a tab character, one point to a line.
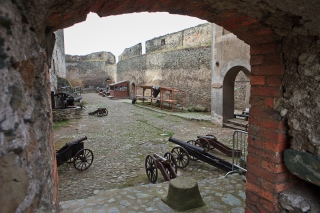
58	63
27	157
185	69
66	114
302	92
92	69
240	86
188	38
130	52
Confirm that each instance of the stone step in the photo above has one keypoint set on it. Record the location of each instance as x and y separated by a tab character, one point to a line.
234	126
238	122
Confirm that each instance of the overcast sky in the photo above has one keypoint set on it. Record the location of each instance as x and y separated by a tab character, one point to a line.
115	33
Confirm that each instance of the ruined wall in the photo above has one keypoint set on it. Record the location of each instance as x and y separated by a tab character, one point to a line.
187	69
189	38
58	63
92	69
131	52
180	64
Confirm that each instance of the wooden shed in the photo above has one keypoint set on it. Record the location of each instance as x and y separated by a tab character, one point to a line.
119	89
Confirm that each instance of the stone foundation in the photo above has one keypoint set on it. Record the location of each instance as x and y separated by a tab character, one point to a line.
66	114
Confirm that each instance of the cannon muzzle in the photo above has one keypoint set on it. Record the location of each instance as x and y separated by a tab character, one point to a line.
187	145
77	140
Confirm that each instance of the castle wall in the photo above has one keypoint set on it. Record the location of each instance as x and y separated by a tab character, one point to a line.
58	63
185	69
92	69
130	52
189	38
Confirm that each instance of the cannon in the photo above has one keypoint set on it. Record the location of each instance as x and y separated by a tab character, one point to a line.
210	142
167	166
185	150
100	112
74	152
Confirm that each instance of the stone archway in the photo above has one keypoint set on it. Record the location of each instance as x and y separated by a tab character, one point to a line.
228	90
222	92
284	49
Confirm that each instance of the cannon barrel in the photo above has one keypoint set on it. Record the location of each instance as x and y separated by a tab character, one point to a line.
77	140
187	145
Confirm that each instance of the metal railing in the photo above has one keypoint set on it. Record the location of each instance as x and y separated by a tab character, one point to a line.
239	161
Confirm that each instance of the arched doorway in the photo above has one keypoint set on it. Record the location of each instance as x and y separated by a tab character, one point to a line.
228	87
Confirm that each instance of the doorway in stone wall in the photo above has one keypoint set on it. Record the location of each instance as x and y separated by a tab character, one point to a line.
236	93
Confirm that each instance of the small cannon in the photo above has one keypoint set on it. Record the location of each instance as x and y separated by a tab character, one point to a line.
74	152
183	153
167	166
210	142
100	112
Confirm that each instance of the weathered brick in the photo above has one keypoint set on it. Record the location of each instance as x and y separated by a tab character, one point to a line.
272	58
257	80
284	186
271	124
252	197
274	157
269	206
268	195
265	91
274	167
253	188
271	135
264	174
274	81
256	59
275	147
253	178
256	161
267	70
256	101
261	112
253	141
263	48
269	102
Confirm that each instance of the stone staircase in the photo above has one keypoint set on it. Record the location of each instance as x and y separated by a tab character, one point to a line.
236	123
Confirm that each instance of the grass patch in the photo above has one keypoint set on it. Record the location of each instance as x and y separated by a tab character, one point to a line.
167	134
143	121
160	116
60	124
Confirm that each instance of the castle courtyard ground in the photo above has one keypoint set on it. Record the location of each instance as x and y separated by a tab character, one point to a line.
120	141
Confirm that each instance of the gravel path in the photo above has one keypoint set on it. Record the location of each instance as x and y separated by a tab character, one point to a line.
121	141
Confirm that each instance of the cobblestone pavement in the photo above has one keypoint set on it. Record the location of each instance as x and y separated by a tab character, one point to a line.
121	141
225	195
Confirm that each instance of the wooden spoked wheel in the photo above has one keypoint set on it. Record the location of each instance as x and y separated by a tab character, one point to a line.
195	143
151	169
204	143
83	159
105	113
182	156
172	161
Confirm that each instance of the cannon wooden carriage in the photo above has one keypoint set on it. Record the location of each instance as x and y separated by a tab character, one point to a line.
100	112
167	166
183	152
75	153
210	142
